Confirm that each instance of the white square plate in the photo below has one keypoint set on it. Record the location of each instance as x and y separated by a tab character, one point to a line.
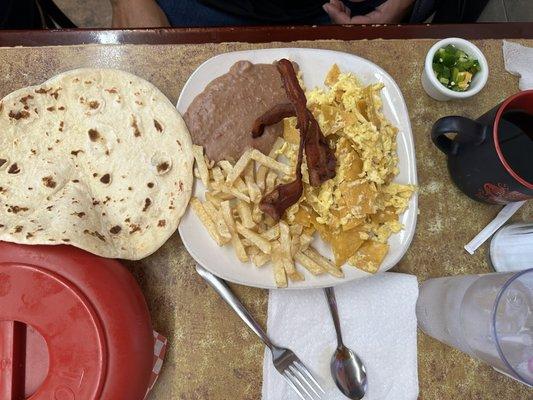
314	65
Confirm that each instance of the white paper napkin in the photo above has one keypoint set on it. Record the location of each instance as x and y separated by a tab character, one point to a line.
378	321
518	61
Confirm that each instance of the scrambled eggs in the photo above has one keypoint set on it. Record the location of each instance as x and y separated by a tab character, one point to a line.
358	210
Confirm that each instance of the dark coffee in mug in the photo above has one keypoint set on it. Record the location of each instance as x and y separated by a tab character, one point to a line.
515	134
491	158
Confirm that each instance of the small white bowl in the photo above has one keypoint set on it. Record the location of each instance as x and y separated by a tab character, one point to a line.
440	92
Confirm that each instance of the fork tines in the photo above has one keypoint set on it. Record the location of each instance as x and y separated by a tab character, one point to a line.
302	382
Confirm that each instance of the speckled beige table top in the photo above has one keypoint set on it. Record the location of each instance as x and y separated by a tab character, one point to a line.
212	355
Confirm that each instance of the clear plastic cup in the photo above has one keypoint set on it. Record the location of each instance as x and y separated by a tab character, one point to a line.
489	317
511	248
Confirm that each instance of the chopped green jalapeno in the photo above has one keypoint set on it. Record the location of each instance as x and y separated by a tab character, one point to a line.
454	68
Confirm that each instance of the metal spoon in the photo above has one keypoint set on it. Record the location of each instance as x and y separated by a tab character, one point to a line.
347	369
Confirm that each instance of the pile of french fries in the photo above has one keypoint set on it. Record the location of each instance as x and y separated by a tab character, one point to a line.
230	212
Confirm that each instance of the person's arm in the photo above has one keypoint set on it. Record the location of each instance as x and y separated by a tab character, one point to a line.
137	14
391	11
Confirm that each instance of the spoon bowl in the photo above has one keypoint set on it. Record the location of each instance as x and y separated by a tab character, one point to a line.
349	373
347	369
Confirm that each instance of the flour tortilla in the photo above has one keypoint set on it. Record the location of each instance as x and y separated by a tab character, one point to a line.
95	158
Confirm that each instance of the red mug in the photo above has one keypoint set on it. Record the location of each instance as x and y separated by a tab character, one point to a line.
491	158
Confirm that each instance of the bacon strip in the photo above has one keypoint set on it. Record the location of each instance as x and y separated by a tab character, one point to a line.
283	196
295	93
320	159
271	117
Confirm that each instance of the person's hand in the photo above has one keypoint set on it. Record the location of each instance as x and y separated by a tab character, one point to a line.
137	14
391	11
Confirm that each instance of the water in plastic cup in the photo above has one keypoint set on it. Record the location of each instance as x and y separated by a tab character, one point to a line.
487	316
511	248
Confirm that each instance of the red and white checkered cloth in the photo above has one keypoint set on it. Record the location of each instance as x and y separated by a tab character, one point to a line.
160	349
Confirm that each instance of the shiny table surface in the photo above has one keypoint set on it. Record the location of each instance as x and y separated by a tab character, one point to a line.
263	34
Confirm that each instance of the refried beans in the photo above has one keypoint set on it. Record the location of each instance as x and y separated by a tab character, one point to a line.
221	117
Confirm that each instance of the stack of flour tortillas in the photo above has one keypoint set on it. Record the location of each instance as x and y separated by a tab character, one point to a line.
98	159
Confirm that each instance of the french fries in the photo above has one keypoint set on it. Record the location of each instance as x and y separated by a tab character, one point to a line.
200	211
203	171
280	276
225	210
308	263
270	163
253	189
326	264
245	214
222	228
226	166
255	238
231	215
239	167
218	176
272	233
270	181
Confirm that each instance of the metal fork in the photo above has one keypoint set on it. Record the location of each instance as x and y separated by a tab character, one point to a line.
286	362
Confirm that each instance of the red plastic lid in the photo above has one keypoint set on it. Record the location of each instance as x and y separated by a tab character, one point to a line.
72	326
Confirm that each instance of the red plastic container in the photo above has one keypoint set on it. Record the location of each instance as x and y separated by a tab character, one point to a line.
73	326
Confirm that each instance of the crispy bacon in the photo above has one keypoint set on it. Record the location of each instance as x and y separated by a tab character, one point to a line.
283	196
320	159
271	117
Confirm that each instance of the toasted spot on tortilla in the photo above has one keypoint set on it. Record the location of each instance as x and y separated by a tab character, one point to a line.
115	230
24	100
105	179
158	126
94	135
48	181
42	90
19	114
95	234
13	169
55	93
147	203
163	167
136	131
16	209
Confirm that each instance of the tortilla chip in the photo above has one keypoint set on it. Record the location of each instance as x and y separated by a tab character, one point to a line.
370	256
